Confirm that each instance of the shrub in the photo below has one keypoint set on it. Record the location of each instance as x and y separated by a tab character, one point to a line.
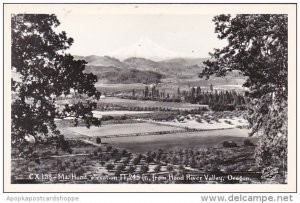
157	168
170	168
80	171
214	168
110	167
118	172
123	117
98	140
229	144
144	169
193	163
114	152
228	122
181	167
131	169
126	161
67	164
107	117
107	158
175	160
248	142
149	159
136	161
118	157
124	152
108	148
199	120
121	167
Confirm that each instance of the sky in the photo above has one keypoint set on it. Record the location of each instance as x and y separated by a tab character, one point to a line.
100	33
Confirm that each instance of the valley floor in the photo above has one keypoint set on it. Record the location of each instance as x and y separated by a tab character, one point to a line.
153	144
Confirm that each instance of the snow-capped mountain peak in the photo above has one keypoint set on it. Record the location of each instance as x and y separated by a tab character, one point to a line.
144	48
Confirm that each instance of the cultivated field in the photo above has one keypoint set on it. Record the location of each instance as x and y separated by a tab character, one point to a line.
147	103
100	114
127	129
148	138
170	85
195	124
184	140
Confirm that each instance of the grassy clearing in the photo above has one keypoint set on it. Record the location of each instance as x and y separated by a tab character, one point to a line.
123	129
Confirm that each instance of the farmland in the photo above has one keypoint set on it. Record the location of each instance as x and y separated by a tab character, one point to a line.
146	113
176	141
103	163
148	138
116	130
149	104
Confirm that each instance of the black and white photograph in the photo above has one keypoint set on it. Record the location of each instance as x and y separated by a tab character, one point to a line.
141	94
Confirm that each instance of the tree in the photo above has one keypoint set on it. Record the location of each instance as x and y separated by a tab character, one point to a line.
149	159
144	169
110	167
108	148
131	169
157	168
146	91
121	167
136	161
257	48
170	168
178	91
98	140
44	73
126	161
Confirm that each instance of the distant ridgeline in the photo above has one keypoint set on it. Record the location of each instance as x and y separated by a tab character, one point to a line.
140	70
124	76
218	100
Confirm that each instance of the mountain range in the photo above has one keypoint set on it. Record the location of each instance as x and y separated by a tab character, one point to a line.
105	67
145	62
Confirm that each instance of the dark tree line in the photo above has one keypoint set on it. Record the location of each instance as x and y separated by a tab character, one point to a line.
218	100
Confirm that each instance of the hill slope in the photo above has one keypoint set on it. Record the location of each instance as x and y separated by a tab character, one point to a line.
171	67
112	74
142	70
94	60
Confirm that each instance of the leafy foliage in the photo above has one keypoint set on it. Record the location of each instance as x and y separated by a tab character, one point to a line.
257	48
45	72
